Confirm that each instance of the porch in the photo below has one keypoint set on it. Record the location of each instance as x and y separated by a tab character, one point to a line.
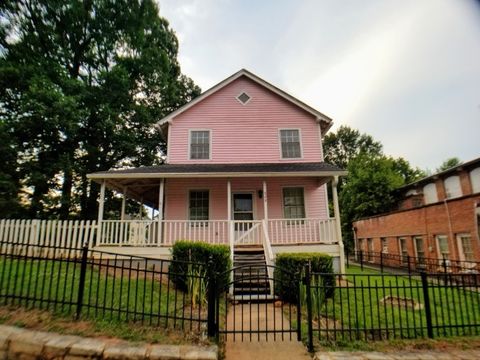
235	205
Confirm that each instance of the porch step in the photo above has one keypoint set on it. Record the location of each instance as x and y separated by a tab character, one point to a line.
251	279
254	298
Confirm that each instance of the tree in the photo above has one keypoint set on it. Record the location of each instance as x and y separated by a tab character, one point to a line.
344	145
449	163
370	188
82	83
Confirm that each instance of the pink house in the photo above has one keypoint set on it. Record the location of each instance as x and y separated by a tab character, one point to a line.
244	167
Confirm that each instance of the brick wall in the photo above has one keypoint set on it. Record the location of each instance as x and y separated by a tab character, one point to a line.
450	218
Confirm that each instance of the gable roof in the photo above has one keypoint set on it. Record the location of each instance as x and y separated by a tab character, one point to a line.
325	122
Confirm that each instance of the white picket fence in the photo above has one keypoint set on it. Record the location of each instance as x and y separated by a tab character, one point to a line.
42	234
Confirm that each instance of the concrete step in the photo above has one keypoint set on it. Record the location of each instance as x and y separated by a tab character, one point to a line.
254	298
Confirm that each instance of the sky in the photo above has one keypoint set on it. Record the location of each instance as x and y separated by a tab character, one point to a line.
406	72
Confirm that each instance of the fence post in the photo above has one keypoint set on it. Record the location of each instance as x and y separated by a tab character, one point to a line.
426	298
408	264
361	259
81	283
307	282
212	299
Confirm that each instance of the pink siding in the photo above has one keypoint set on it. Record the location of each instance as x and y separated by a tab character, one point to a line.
176	196
244	133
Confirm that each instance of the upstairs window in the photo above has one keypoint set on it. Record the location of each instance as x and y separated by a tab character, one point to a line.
290	140
430	193
293	203
198	204
452	187
199	144
475	179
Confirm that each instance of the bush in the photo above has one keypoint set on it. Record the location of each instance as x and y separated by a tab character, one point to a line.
289	270
205	258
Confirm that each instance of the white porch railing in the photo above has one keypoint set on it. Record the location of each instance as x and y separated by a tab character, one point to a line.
294	231
241	232
74	233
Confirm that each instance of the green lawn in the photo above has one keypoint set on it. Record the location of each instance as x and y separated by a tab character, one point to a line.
356	310
109	296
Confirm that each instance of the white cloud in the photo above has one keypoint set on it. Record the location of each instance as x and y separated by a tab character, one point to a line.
402	71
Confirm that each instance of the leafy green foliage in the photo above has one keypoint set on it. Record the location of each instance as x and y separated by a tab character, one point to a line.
372	177
81	85
346	143
290	268
449	163
190	258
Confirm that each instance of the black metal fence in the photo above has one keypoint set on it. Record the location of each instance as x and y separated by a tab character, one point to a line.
380	306
94	284
412	264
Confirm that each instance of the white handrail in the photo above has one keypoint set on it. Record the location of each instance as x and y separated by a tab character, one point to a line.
267	249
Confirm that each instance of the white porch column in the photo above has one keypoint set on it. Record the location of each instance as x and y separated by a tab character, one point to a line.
124	200
100	212
161	191
336	211
265	201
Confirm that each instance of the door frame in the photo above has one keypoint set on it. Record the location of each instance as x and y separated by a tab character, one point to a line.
254	203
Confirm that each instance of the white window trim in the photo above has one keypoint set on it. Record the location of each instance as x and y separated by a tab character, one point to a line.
414	238
400	245
190	143
461	253
280	143
475	174
246	102
439	252
304	200
187	217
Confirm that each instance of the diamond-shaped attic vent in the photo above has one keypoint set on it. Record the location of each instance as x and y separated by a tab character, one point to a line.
243	98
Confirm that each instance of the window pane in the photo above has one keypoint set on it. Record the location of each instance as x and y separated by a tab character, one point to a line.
466	242
293	203
198	205
199	145
443	246
290	140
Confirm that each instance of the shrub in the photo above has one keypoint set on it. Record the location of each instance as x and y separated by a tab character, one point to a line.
289	270
193	259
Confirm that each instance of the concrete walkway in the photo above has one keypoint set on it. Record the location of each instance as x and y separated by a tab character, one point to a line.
400	355
256	317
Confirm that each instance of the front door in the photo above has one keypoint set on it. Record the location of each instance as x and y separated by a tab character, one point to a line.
243	206
243	216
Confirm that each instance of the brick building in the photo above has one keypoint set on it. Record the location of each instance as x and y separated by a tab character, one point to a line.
438	217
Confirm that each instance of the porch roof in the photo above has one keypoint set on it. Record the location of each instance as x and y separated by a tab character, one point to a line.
142	182
321	169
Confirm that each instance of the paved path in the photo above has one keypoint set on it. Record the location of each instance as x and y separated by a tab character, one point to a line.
400	355
263	346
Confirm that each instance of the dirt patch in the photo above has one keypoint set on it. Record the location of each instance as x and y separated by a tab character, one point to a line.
46	321
405	303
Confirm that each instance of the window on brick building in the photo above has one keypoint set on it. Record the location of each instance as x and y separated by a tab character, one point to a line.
475	180
402	244
442	246
465	247
419	250
384	245
452	187
430	193
370	249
